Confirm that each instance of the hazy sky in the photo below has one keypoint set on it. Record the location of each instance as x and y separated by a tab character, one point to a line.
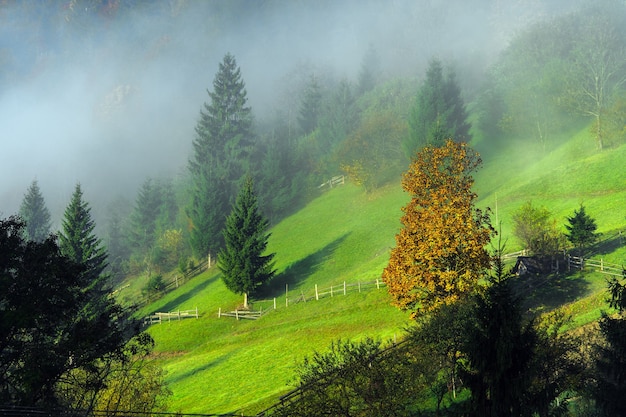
109	101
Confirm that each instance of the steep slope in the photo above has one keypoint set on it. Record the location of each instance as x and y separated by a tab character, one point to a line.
221	365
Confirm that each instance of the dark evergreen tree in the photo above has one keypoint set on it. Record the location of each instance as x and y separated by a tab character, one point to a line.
35	214
221	147
581	230
49	323
77	240
243	263
310	106
609	388
439	112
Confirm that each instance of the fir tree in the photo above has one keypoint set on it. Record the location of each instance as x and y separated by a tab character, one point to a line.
439	112
581	230
242	261
310	107
77	240
35	214
221	146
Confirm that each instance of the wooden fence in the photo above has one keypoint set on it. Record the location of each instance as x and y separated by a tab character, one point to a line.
608	268
312	295
333	182
172	315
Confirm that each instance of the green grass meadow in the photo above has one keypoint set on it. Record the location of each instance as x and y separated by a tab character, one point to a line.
221	365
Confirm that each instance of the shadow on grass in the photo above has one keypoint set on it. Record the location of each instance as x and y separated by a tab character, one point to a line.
550	291
300	270
204	367
193	291
609	244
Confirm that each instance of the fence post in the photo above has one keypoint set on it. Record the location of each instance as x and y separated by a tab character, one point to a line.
286	295
359	286
178	315
196	312
317	296
237	314
377	284
274	303
344	288
601	264
331	291
219	313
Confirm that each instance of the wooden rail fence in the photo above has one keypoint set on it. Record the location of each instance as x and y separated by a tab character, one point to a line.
600	265
333	182
169	316
315	294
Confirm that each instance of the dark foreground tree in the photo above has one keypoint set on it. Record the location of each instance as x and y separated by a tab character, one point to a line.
581	230
49	323
609	387
243	261
221	147
35	214
440	253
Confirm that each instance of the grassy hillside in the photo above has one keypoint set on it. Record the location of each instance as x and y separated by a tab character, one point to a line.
223	365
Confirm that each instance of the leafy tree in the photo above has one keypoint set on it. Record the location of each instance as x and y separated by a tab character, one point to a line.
354	379
440	253
242	261
598	67
223	137
536	230
48	322
129	382
372	154
439	112
77	240
581	230
35	214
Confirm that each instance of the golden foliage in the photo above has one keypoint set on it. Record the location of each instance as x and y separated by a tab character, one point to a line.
440	252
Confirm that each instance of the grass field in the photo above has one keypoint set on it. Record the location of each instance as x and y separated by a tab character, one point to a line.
220	365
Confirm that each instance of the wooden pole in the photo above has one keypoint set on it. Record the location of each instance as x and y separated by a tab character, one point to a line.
237	314
219	313
344	288
377	284
317	296
196	312
331	290
359	286
274	303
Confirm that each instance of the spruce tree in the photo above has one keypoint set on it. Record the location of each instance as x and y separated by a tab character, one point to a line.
35	214
221	147
581	230
78	242
242	261
310	107
439	112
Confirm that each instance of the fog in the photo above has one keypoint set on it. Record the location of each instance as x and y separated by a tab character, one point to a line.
110	100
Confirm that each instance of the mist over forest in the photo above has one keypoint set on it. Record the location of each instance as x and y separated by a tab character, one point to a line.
108	93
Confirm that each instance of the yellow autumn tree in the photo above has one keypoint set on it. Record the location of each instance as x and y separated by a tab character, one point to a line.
440	251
